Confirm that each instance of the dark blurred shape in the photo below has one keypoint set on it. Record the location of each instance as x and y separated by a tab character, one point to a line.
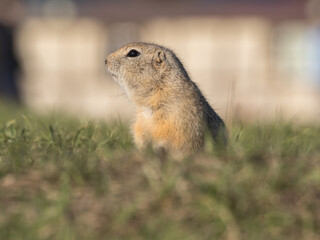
8	65
131	10
10	15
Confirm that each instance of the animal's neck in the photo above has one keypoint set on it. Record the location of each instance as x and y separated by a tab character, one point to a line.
160	96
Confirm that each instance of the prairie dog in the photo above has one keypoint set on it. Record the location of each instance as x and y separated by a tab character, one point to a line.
171	112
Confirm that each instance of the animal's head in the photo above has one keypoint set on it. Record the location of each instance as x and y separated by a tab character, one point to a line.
141	67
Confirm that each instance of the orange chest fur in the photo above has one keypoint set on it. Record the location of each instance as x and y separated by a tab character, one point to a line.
158	128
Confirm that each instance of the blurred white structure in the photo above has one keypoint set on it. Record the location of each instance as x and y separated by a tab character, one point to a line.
64	68
247	67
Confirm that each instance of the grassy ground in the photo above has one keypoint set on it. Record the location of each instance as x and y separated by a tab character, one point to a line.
63	178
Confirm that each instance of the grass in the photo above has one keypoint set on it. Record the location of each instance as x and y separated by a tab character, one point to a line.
64	178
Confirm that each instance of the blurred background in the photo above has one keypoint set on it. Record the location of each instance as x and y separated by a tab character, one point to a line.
253	59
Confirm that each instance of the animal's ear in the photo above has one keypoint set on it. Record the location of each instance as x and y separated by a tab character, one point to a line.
159	59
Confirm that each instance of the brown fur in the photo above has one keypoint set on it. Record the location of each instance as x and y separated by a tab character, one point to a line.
171	112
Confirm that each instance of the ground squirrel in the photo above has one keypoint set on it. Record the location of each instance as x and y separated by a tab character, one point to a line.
171	112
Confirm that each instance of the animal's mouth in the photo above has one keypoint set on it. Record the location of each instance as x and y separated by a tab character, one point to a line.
114	76
112	73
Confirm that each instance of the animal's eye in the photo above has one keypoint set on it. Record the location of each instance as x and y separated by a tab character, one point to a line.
133	53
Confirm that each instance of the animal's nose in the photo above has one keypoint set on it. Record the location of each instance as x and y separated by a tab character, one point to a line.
106	61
